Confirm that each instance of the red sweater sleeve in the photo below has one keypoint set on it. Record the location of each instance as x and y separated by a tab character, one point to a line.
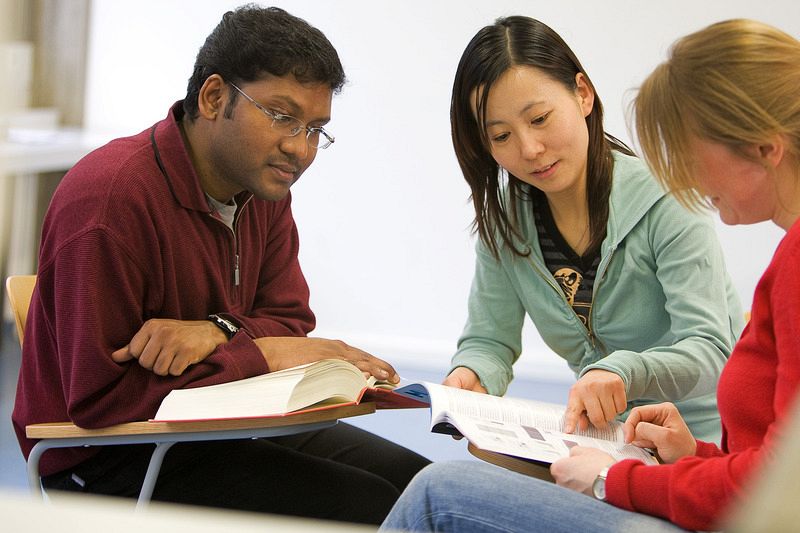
693	493
707	449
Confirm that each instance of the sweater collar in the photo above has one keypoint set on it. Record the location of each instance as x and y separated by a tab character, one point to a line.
176	164
630	202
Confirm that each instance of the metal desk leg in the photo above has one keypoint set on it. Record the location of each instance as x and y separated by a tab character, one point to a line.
150	478
34	483
149	483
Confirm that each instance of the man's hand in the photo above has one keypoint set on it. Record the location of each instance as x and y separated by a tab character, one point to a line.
464	378
580	469
286	352
660	426
596	398
168	347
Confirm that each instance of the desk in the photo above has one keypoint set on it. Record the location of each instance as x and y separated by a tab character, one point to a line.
47	150
165	434
22	157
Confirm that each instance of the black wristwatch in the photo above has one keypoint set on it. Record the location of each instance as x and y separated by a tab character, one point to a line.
227	327
599	485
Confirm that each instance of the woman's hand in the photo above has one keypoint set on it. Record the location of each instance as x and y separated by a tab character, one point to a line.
464	378
661	427
580	469
597	398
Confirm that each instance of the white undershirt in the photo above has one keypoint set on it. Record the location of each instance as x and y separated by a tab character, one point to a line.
225	212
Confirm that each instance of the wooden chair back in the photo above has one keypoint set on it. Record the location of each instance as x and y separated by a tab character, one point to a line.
20	290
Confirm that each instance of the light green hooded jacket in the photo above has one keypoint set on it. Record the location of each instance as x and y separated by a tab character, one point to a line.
665	315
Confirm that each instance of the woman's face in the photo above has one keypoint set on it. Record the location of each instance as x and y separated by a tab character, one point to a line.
536	128
739	187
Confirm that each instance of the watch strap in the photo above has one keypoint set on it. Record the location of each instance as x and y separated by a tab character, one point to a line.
228	328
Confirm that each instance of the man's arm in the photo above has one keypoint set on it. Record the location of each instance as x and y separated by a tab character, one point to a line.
90	306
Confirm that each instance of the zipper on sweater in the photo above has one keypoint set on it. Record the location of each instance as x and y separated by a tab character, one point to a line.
236	271
601	273
235	255
548	278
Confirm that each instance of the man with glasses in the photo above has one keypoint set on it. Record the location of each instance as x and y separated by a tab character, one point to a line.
169	260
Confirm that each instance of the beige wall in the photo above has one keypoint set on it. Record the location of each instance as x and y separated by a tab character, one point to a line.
14	20
60	33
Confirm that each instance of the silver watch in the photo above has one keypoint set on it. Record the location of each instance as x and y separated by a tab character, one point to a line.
599	485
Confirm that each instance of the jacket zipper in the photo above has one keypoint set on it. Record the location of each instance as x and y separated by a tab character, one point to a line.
552	282
236	271
598	277
588	333
236	266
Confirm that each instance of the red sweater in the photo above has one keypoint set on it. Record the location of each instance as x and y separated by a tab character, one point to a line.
129	236
755	394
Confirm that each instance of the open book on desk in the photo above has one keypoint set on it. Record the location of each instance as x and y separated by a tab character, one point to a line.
315	386
516	428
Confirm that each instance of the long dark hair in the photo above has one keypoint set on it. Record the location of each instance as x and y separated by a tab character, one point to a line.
510	42
253	41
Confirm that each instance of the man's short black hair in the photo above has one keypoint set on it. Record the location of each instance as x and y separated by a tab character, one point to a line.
253	41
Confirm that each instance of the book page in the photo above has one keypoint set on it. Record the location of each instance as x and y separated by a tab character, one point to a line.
257	396
538	444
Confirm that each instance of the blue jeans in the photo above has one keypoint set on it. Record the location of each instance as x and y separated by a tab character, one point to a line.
467	496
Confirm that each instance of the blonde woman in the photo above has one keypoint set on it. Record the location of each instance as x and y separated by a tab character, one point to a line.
716	129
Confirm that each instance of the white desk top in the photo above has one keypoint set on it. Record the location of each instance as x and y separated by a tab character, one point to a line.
33	151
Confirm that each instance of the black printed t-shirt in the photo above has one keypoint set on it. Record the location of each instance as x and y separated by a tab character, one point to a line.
574	274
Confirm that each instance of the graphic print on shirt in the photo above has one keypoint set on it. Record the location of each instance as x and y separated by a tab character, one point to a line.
570	282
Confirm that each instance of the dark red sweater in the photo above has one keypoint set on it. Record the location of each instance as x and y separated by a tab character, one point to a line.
755	395
129	236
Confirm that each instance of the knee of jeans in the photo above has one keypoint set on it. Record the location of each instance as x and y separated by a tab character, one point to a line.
441	476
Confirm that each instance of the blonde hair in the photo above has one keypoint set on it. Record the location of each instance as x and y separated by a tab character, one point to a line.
735	82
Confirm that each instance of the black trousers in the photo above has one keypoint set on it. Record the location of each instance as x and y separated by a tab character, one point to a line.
339	473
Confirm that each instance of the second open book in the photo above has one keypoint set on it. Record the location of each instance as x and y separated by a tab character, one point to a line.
516	427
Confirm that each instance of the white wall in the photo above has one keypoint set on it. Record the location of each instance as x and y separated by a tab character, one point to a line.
384	214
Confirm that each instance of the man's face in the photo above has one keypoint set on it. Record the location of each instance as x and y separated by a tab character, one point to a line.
247	153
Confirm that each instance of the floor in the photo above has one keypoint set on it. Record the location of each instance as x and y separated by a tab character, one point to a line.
12	466
407	427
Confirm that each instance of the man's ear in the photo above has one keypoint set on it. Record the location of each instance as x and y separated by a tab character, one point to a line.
213	97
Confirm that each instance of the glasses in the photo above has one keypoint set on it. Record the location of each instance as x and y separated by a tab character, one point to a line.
289	126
